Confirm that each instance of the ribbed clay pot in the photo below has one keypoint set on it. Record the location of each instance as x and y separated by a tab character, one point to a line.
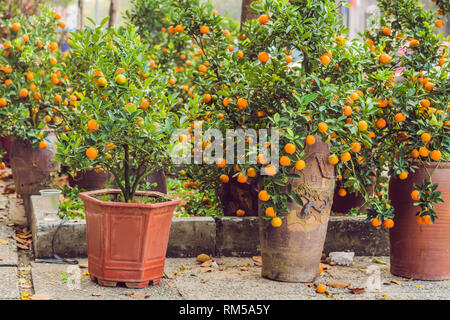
292	252
33	168
420	251
127	242
90	180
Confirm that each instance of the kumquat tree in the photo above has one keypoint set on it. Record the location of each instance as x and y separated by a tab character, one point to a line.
254	80
413	120
121	117
32	73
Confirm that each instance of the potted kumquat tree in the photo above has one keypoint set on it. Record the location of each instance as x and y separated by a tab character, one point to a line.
33	83
258	84
121	125
413	126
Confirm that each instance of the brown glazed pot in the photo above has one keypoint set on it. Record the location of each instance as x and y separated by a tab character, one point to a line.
90	180
127	242
235	195
345	204
33	168
292	252
6	143
420	251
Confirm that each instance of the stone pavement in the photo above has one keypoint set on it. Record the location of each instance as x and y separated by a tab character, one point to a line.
237	278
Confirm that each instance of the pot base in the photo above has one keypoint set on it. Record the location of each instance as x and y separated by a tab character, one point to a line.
131	285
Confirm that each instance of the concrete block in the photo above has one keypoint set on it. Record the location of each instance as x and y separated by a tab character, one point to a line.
192	236
342	258
355	234
237	236
70	241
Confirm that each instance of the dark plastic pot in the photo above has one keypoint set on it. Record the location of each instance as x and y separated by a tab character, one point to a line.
127	242
33	168
420	251
90	180
292	252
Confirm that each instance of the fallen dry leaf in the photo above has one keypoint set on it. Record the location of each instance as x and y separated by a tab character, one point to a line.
139	296
40	297
20	240
219	262
22	246
83	265
257	259
378	261
397	282
205	281
206	269
5	242
96	294
207	263
202	258
128	293
338	284
244	269
357	290
258	264
325	266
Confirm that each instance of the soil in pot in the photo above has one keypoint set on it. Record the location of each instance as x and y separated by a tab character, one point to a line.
292	252
127	242
420	251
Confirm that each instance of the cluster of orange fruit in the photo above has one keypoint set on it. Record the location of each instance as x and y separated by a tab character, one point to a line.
29	92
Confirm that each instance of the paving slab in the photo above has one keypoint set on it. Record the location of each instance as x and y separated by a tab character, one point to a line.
233	283
9	288
8	252
55	281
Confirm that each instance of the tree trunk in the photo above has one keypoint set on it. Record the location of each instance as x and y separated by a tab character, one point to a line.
80	14
112	13
247	13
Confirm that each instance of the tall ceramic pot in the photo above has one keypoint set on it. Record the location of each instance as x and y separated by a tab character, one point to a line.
127	242
292	252
420	251
33	168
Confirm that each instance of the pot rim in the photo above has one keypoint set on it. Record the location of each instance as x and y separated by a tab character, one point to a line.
428	164
88	195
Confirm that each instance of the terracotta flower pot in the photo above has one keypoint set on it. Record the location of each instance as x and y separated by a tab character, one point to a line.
90	180
127	242
292	252
420	251
33	168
